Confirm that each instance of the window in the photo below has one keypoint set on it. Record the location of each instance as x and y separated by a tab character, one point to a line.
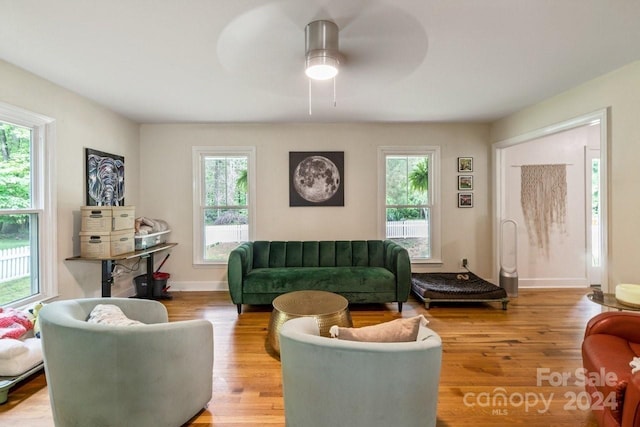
223	201
27	207
409	208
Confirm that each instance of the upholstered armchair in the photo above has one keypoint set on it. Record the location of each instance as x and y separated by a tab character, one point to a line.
156	374
611	341
333	382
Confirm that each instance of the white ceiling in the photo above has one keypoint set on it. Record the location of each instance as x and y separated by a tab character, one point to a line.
242	61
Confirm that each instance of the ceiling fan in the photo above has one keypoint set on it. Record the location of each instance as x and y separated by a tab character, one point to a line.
265	46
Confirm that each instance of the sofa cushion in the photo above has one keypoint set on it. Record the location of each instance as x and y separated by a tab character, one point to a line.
261	254
332	279
375	249
327	254
310	254
277	254
294	254
360	253
343	254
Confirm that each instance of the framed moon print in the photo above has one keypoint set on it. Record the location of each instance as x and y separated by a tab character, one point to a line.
316	178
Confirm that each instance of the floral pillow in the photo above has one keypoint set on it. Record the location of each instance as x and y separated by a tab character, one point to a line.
109	314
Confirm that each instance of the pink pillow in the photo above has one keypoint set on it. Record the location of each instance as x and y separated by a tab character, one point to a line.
399	330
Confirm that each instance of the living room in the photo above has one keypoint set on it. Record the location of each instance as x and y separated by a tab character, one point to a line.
159	170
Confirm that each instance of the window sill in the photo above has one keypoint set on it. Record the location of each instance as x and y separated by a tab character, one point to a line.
430	261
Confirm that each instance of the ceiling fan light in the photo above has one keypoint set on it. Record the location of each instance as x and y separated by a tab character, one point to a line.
321	50
321	68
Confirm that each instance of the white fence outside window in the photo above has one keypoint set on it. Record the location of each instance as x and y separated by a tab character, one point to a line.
406	229
240	233
15	263
226	233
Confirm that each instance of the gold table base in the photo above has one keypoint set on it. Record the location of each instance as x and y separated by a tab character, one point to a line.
326	307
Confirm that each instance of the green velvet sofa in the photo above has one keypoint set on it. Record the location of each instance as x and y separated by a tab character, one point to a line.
363	271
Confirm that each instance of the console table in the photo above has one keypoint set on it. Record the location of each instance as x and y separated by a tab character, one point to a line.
108	264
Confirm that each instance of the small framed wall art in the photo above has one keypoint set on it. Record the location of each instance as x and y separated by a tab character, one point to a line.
465	200
465	182
465	164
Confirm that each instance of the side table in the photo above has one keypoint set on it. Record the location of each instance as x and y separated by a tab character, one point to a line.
609	300
328	308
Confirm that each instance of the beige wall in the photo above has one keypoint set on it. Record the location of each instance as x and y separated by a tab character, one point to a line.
79	124
620	92
158	174
166	182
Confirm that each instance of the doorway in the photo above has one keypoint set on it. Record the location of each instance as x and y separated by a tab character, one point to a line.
574	250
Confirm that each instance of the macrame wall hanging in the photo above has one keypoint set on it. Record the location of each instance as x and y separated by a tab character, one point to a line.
543	196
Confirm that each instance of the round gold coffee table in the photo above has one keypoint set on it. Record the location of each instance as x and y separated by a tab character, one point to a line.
328	308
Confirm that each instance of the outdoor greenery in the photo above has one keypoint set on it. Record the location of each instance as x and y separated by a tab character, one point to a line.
407	184
225	190
15	177
15	193
14	290
12	243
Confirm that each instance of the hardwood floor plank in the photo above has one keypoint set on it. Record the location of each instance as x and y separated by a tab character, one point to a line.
489	355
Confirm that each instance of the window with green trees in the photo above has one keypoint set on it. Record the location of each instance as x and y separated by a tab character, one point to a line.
409	200
27	207
223	203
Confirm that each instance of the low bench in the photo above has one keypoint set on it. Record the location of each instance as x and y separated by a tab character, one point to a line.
456	287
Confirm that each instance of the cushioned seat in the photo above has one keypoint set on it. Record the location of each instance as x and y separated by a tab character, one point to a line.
155	374
336	279
611	341
333	382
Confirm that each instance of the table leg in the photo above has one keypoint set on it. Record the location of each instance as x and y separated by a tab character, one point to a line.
107	277
150	284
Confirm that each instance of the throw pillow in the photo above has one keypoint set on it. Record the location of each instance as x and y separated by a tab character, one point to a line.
399	330
10	348
109	314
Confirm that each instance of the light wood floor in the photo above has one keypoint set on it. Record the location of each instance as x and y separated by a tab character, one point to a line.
487	351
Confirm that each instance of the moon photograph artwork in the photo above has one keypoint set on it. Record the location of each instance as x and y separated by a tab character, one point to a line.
316	178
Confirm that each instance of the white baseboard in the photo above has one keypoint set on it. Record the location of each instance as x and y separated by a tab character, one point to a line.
198	286
550	282
129	291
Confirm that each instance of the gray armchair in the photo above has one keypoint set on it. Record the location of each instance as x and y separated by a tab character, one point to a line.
157	374
332	382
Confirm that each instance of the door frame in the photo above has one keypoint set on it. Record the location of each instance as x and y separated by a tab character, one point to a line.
593	273
498	184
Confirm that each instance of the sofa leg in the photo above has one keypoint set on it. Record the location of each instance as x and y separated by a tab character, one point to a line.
239	308
399	307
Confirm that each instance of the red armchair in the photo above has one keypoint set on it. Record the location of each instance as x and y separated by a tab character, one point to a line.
611	341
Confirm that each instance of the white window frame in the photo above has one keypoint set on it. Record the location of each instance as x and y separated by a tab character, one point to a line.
43	179
433	152
198	155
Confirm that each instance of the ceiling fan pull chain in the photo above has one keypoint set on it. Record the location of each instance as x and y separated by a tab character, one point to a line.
309	96
334	91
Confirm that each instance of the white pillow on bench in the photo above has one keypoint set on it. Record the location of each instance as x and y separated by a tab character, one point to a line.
17	356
